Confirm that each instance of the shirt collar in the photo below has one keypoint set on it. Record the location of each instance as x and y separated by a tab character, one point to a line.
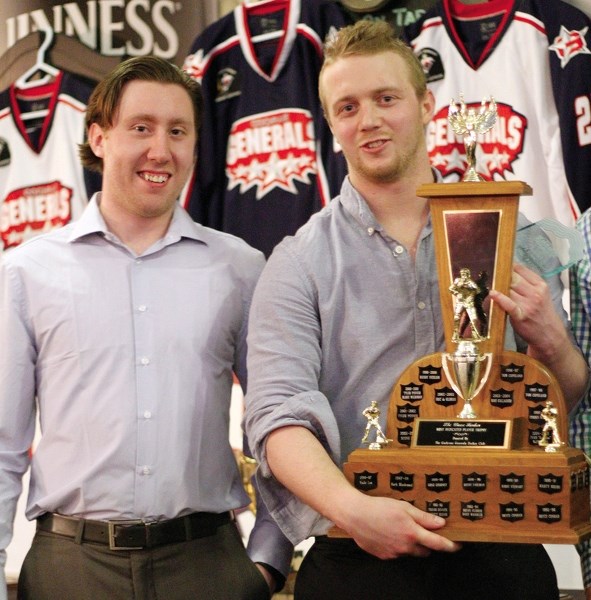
92	222
356	205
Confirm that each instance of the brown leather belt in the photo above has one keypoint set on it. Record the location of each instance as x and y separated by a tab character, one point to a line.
134	534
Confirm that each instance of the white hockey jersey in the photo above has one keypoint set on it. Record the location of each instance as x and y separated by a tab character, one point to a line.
42	183
533	58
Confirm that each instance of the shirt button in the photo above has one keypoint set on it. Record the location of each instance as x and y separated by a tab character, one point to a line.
145	470
138	261
142	308
421	305
144	360
371	230
399	249
147	414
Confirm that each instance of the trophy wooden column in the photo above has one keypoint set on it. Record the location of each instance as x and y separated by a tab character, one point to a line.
487	475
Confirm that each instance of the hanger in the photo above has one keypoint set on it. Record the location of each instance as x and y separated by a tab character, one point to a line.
41	66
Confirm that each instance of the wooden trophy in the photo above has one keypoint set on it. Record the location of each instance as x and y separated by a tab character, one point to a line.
476	434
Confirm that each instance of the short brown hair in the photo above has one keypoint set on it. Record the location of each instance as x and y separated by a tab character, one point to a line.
368	37
104	100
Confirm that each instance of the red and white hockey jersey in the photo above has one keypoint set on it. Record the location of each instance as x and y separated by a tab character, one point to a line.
266	160
534	58
42	183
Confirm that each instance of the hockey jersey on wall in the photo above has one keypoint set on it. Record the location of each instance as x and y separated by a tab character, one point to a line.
533	57
42	183
266	160
399	14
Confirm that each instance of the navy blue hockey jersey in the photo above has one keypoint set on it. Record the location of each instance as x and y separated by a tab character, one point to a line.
266	157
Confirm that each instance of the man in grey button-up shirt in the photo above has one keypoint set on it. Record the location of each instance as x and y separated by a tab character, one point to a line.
340	310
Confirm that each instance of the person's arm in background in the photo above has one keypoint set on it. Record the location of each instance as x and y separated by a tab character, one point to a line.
580	419
17	405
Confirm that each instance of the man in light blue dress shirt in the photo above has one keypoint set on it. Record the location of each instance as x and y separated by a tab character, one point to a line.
341	309
121	333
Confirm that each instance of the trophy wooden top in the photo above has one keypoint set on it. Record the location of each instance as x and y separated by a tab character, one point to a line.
474	189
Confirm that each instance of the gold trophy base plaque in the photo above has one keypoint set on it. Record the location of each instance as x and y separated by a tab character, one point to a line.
512	496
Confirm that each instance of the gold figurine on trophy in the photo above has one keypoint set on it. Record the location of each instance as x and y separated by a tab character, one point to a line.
469	122
550	439
372	414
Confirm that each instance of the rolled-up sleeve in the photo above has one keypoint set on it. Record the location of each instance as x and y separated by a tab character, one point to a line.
284	364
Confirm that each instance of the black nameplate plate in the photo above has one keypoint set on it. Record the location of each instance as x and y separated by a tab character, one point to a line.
474	482
445	396
550	484
437	482
439	508
404	435
512	483
430	374
366	481
407	413
411	392
472	511
536	392
402	482
461	433
512	373
549	513
512	512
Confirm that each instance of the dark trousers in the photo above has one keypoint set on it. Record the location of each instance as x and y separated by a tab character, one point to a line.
209	568
338	568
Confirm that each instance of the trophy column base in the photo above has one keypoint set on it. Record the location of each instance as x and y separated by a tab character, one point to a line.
514	496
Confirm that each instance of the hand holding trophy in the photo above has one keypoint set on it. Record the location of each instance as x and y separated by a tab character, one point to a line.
496	471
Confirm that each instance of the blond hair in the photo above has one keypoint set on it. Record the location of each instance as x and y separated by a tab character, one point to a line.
366	38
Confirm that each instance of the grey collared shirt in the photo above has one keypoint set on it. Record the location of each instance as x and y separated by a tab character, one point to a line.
340	310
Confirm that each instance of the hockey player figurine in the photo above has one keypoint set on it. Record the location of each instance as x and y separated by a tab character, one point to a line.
465	291
372	414
550	436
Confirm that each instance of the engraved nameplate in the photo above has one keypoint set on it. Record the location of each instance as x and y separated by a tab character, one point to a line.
462	433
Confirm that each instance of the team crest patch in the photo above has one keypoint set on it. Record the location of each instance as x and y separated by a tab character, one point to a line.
271	150
569	44
228	84
4	153
35	209
432	66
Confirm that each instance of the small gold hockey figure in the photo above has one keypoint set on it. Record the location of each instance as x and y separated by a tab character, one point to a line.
550	435
372	414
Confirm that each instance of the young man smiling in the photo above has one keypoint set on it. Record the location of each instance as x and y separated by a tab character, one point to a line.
341	309
121	333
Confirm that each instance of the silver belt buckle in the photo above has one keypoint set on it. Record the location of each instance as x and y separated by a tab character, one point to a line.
124	522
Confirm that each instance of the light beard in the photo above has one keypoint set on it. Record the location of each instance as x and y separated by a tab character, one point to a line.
401	165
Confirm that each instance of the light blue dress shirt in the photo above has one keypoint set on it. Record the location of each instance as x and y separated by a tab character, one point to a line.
340	310
127	360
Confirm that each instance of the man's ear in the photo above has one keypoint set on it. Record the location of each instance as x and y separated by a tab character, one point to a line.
428	106
96	139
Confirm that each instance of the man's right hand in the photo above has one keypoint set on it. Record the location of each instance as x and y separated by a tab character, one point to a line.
390	528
